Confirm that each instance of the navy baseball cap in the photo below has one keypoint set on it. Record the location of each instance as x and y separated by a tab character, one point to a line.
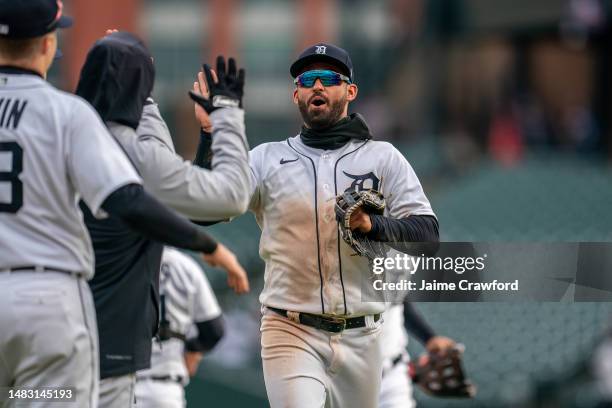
323	52
20	19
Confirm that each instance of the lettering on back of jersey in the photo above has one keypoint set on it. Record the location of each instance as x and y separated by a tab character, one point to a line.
11	111
363	181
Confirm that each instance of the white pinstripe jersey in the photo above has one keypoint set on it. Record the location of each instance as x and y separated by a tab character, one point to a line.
188	299
394	337
54	149
308	267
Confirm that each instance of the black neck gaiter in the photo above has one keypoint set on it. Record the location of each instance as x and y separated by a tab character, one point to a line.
337	135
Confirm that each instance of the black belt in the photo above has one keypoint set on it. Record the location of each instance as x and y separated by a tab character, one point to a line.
32	268
165	333
163	378
328	323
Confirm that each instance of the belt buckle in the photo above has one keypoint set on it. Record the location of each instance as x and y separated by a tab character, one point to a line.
337	320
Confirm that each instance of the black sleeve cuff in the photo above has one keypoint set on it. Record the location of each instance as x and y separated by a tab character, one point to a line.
416	234
378	229
203	156
415	228
209	334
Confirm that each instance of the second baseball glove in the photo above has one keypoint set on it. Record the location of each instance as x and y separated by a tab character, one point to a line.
442	375
370	201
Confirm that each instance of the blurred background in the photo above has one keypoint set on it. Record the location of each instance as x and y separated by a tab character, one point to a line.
503	107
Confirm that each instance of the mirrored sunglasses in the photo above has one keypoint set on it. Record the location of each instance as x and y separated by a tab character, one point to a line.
328	78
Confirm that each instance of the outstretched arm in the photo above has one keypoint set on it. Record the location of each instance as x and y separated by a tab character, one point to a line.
221	192
144	214
201	194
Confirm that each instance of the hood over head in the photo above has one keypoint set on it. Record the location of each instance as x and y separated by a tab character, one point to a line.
117	78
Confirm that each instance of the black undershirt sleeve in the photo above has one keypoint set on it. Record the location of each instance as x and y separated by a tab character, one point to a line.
416	325
144	214
209	334
416	234
415	228
203	159
203	156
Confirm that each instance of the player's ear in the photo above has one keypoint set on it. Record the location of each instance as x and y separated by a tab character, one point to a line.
44	45
48	44
295	96
351	92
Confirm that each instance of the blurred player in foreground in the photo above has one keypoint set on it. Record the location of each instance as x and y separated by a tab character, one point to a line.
117	79
50	156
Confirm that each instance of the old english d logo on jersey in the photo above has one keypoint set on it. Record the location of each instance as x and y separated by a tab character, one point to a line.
363	181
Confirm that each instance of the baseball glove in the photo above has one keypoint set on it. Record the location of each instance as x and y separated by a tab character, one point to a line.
442	375
370	201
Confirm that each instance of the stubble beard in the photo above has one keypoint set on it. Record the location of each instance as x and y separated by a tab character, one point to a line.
320	120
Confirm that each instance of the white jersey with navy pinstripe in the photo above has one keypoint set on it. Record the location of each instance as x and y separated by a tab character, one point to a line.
308	267
54	149
188	299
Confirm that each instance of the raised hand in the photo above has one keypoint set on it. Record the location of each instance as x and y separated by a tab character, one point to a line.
199	87
236	276
225	90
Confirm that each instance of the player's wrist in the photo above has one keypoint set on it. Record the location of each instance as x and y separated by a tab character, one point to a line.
439	344
206	133
375	226
205	243
428	340
366	224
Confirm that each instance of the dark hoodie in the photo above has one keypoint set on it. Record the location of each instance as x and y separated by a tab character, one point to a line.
116	79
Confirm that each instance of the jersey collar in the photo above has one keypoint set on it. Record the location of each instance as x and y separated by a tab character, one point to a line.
9	69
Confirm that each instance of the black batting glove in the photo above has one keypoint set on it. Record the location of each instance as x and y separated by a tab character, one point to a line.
227	91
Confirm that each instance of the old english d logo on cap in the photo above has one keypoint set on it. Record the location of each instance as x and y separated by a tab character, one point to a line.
323	52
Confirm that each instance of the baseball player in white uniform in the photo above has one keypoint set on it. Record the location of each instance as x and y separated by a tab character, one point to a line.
191	325
396	387
400	319
320	342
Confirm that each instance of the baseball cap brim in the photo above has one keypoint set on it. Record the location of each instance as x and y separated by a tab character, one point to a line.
64	22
